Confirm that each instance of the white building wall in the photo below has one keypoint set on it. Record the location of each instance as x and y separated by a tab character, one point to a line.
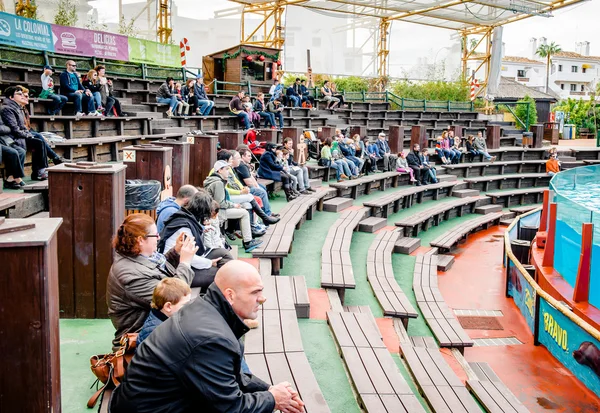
569	79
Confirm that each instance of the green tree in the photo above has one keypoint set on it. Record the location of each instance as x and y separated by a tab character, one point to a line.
579	112
127	28
522	112
66	13
547	51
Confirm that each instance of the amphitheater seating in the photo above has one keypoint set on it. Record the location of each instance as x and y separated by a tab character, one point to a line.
380	274
405	197
449	239
277	242
72	127
440	386
466	170
491	392
586	154
439	212
336	264
300	296
486	183
436	313
517	196
364	185
379	384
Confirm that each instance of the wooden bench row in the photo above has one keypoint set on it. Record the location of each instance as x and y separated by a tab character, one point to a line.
437	314
380	387
517	181
277	241
380	274
460	232
336	263
441	211
466	170
71	127
355	187
491	392
518	196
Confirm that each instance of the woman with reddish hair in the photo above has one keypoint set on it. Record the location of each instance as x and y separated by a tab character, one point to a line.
138	268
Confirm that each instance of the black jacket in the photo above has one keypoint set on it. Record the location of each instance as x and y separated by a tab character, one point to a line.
13	116
200	91
414	159
181	219
192	363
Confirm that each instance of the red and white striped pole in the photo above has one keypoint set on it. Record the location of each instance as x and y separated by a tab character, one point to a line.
183	47
474	85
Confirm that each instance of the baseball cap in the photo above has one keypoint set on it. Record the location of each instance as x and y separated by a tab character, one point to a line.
220	165
48	67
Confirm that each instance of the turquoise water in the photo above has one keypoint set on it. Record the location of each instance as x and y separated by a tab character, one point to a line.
578	198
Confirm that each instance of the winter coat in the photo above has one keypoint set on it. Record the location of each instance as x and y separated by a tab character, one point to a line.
269	168
383	146
215	186
164	91
165	209
13	116
480	144
414	159
68	84
155	318
191	363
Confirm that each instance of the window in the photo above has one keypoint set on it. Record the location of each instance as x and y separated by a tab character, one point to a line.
573	88
560	68
582	88
583	70
253	70
574	69
520	73
562	86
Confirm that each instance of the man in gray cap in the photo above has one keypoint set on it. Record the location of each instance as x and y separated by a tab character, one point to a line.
58	101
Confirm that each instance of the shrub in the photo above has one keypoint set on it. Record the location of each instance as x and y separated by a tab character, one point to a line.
521	111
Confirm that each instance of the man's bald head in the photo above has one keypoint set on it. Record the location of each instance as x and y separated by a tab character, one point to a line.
184	194
242	287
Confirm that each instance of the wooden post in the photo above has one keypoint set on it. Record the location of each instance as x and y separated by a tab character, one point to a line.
548	260
181	161
203	156
30	345
324	132
231	139
150	162
492	136
582	284
419	136
458	130
91	203
538	135
360	130
267	135
297	135
396	138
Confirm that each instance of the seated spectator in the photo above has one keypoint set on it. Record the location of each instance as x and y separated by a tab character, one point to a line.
347	148
446	144
169	296
211	229
173	204
332	101
106	93
269	168
236	107
373	150
275	107
261	108
455	143
481	146
215	185
368	156
293	94
71	87
205	105
283	156
338	156
415	163
361	153
553	165
166	94
306	97
243	170
183	107
188	95
440	151
299	171
402	166
430	169
58	101
15	117
13	157
193	361
256	147
276	91
137	269
471	151
337	95
92	84
389	159
254	117
327	161
188	221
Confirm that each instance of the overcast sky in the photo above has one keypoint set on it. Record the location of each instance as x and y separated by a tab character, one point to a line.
568	26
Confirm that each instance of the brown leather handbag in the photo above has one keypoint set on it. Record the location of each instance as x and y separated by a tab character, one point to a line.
110	368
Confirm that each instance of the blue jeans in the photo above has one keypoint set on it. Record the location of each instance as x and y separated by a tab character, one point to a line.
79	98
269	118
346	167
279	116
172	102
98	99
205	107
486	155
294	99
356	161
244	116
339	169
58	101
264	197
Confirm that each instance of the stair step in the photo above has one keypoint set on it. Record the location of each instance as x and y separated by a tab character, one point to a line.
488	209
160	131
152	115
445	262
372	224
567	158
520	210
406	245
135	108
300	294
506	222
432	251
315	183
446	178
508	215
572	164
337	204
464	193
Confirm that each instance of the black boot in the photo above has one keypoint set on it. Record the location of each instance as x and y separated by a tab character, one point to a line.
267	220
289	196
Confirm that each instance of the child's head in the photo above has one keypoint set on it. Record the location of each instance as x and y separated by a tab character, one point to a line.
470	138
178	85
425	152
286	154
214	210
246	99
170	295
440	138
279	153
444	134
327	142
356	138
401	154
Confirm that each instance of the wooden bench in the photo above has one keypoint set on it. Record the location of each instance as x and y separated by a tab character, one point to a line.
522	196
441	211
491	392
460	232
73	127
336	264
486	183
379	384
271	186
441	320
436	380
465	170
300	296
380	274
355	187
277	241
582	154
405	198
520	210
509	154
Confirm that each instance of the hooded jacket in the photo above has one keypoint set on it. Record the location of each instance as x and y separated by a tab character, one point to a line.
414	159
181	219
13	116
192	363
165	209
215	186
269	168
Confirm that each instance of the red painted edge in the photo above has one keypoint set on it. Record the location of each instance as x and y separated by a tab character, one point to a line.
549	249
544	218
582	284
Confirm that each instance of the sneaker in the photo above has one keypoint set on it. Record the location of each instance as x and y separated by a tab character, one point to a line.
251	245
169	113
309	189
493	159
342	176
305	192
258	233
59	160
11	185
230	235
79	114
273	127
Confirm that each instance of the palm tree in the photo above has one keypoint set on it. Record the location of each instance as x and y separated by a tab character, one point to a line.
547	51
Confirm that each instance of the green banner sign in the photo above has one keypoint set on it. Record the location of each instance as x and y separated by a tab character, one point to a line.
145	51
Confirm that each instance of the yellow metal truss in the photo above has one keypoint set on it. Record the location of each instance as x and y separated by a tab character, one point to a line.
25	8
164	29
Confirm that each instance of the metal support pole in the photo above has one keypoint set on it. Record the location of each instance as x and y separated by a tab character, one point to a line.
382	47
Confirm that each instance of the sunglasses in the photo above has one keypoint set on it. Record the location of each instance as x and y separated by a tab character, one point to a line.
153	236
73	65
